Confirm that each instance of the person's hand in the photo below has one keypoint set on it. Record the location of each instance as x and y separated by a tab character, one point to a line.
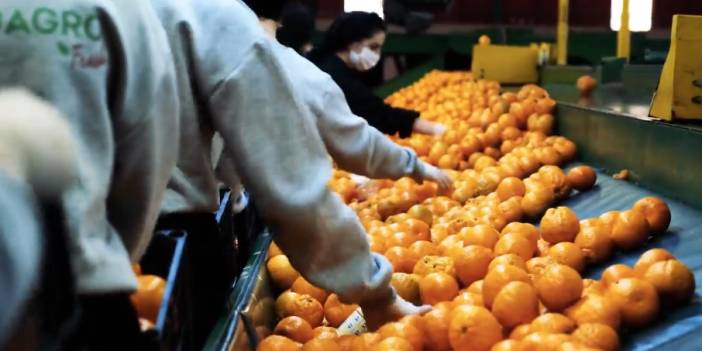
376	316
430	128
438	176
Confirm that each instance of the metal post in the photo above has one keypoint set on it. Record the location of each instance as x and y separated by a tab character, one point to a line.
624	35
562	45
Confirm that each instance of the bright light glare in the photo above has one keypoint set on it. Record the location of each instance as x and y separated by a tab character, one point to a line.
640	15
364	5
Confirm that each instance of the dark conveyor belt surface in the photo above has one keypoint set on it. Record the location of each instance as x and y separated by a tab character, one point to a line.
680	329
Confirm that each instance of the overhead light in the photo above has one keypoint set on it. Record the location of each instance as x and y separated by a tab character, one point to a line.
365	6
640	15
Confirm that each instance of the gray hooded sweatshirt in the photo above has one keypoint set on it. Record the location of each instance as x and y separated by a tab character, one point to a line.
232	81
106	66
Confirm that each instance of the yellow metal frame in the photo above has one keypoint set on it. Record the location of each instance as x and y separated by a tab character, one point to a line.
506	64
562	47
624	35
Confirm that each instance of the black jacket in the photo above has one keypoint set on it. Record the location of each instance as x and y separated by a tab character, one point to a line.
363	102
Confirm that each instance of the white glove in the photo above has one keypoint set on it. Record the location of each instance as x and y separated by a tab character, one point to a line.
376	316
430	128
438	176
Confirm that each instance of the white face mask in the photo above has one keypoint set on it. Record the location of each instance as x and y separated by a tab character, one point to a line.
364	60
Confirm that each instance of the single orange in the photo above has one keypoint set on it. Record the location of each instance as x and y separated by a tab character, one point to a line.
559	225
336	312
510	187
436	327
536	266
472	263
512	209
582	178
657	213
437	287
466	297
586	84
407	286
616	272
650	257
540	341
302	286
404	331
607	220
567	149
401	259
536	202
596	335
594	243
527	230
476	287
553	323
508	259
637	301
568	254
418	229
277	343
294	328
497	278
515	304
282	272
433	264
520	331
423	248
515	244
630	230
483	235
559	286
393	343
673	281
595	308
325	333
317	344
305	307
274	250
421	213
473	329
147	299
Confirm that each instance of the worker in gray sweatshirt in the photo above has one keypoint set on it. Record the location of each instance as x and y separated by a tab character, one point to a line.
106	66
232	80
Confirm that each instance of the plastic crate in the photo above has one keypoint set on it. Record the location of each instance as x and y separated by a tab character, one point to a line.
165	258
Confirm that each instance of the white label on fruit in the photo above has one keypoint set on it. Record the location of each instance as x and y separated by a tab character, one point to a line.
354	325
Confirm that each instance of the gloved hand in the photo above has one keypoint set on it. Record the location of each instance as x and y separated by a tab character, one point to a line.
438	176
377	315
430	128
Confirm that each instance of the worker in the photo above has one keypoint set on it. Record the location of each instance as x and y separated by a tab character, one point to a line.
106	67
38	162
351	45
353	144
232	81
296	28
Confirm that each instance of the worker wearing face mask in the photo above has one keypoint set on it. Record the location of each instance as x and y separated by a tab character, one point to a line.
352	44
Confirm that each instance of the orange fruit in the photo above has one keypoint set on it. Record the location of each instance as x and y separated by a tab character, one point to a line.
302	286
673	281
508	259
366	341
594	243
423	248
433	264
436	327
520	331
586	84
418	229
540	341
294	328
527	230
321	345
574	346
637	301
593	287
650	257
630	230
559	286
555	178
450	245
657	213
136	268
402	239
567	149
277	343
515	304
497	278
553	323
559	224
476	287
481	234
568	254
596	335
582	178
466	297
607	220
506	345
393	343
407	286
472	263
536	266
515	244
404	331
509	187
615	272
282	272
336	312
536	202
512	209
473	329
437	287
484	40
324	333
421	213
401	259
283	303
595	309
147	299
377	244
305	307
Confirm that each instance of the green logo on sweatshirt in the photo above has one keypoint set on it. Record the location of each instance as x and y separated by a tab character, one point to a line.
48	21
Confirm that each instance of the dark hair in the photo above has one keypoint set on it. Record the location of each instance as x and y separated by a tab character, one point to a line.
297	26
270	9
350	28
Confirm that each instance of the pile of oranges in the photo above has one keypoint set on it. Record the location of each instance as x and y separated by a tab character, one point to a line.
496	282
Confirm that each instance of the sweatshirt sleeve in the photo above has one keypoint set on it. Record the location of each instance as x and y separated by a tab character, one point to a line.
356	146
283	163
